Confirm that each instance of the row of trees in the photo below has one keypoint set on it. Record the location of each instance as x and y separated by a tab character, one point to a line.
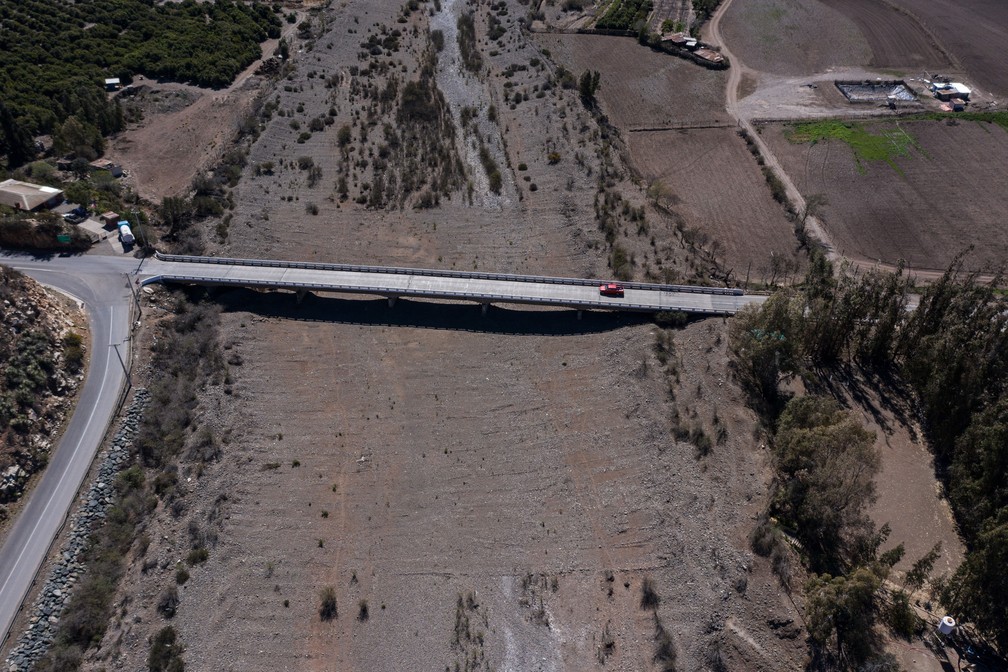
950	356
55	55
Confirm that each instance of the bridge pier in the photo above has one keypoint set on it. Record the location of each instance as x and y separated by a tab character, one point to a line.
484	307
579	314
391	301
301	293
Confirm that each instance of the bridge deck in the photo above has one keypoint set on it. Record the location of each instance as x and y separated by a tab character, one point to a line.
447	285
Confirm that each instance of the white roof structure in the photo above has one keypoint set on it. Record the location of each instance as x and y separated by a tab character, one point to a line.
27	196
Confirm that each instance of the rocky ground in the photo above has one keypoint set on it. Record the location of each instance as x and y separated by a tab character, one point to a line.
37	384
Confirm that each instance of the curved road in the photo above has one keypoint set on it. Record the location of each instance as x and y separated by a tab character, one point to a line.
103	290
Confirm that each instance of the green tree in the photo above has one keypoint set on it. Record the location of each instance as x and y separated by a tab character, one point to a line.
587	86
921	570
15	141
764	349
175	213
978	477
978	591
828	463
840	612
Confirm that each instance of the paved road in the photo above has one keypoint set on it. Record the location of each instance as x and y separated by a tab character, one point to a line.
103	289
449	285
102	284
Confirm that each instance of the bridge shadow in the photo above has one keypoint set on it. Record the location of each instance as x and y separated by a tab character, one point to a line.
507	319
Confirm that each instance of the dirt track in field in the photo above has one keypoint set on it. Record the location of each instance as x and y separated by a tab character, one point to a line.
913	213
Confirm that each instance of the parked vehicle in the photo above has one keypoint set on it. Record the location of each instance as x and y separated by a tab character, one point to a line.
611	289
125	234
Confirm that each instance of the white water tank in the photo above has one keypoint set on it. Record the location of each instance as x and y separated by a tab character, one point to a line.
946	625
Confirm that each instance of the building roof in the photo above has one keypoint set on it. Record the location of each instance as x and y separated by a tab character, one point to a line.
26	196
111	80
679	38
102	164
959	88
709	55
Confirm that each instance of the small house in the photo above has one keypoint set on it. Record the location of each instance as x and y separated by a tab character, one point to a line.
945	94
112	84
709	55
681	40
962	91
26	196
957	104
110	220
105	164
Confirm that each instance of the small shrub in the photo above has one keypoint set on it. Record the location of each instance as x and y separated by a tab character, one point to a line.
311	208
362	611
197	556
181	575
344	135
168	602
649	595
165	652
327	607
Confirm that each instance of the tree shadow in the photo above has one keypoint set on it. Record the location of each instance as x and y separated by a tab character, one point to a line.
423	314
879	394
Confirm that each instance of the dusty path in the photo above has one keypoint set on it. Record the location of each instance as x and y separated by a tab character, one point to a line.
735	72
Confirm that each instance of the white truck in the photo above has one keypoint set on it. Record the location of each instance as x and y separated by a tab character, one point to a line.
125	235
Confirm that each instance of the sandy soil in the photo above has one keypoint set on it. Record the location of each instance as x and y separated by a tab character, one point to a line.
718	188
945	196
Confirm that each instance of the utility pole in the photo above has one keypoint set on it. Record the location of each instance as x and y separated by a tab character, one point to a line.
129	379
136	296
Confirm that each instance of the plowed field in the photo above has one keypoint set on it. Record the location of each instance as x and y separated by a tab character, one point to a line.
897	40
942	196
641	87
718	188
793	38
976	31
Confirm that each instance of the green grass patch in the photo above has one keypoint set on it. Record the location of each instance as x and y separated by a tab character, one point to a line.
999	118
867	146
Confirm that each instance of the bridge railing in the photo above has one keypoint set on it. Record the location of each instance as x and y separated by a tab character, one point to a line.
478	297
392	270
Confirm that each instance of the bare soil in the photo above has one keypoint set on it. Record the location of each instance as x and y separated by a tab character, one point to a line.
975	31
716	186
793	38
183	130
641	87
944	197
896	38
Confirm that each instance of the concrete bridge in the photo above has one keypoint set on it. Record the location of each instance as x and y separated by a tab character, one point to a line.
482	288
